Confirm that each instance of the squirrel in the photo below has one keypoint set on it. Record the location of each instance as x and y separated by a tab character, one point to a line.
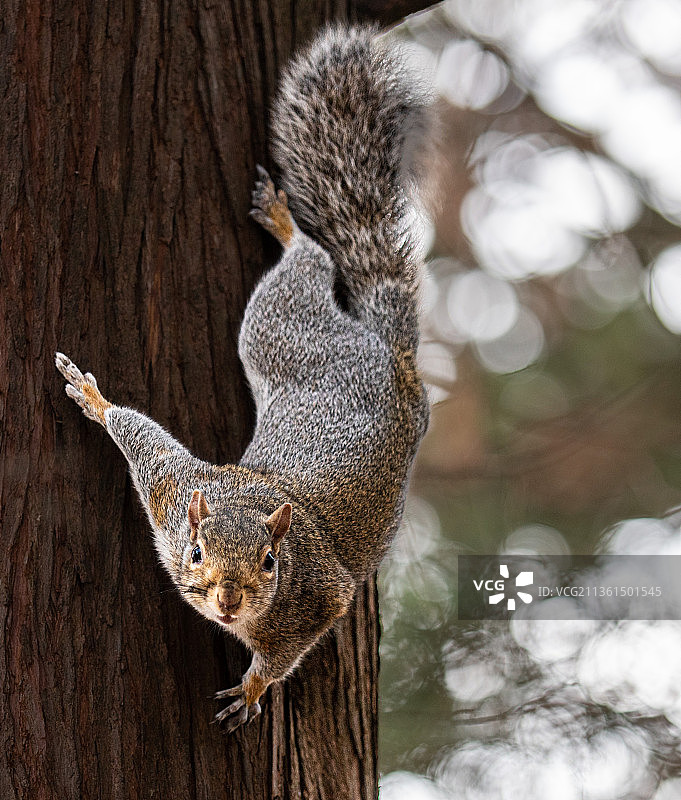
273	549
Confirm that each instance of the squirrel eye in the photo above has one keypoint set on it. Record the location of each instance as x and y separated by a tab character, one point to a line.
197	555
268	562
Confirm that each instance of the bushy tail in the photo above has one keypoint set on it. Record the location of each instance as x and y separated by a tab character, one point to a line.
344	115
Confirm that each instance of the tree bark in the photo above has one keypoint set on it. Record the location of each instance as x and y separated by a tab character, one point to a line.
129	134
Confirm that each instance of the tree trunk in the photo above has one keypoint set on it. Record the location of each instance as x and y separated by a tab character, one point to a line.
129	134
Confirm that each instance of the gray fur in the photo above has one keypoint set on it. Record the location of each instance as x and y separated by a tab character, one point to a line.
344	111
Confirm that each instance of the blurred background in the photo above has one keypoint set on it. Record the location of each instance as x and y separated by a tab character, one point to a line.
552	350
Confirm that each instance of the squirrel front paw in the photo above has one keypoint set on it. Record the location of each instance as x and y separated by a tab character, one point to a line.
270	209
240	712
246	706
83	389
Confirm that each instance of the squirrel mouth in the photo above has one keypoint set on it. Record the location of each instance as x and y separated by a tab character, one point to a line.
227	619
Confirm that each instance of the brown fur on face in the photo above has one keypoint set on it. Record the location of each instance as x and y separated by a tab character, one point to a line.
234	543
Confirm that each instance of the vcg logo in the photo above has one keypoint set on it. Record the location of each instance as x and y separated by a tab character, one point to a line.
498	589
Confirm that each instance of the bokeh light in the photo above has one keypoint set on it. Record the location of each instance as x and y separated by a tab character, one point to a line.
469	76
653	27
665	288
481	307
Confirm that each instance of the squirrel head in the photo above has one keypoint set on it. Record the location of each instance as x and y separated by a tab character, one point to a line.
230	564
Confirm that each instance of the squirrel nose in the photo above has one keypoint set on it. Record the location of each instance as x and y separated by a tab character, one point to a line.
229	596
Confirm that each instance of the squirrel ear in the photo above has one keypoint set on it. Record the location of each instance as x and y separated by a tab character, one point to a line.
198	511
279	523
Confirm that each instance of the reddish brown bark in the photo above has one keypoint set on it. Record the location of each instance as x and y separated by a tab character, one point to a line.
129	134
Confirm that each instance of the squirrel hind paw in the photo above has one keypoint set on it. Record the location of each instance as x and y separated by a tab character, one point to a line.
82	389
72	374
270	209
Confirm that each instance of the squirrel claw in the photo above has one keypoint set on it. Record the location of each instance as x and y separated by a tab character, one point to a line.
69	370
264	195
236	720
233	692
231	710
260	217
237	713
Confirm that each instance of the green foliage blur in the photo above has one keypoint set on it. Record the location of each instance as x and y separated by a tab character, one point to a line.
551	344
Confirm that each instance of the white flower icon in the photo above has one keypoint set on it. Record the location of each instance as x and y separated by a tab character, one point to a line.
522	579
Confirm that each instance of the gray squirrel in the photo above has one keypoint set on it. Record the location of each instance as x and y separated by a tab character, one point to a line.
274	548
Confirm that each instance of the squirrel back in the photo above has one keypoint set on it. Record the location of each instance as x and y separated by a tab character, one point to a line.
343	120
